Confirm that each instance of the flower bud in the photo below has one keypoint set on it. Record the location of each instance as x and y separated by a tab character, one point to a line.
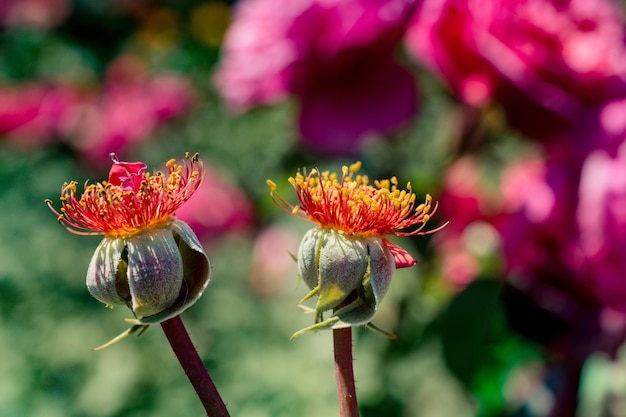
349	274
148	260
347	261
157	273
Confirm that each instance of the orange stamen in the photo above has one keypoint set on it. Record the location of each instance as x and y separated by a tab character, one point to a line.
110	210
352	205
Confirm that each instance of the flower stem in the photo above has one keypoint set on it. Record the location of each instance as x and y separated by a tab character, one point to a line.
344	373
187	355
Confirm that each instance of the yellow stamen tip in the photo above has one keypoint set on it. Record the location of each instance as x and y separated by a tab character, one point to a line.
355	167
271	184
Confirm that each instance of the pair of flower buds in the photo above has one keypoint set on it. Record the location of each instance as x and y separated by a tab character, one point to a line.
154	263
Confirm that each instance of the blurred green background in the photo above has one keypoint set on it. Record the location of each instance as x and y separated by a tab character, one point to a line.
456	355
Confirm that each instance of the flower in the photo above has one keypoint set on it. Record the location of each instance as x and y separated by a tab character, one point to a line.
347	261
562	236
269	273
545	62
337	58
36	114
601	220
468	247
131	107
148	260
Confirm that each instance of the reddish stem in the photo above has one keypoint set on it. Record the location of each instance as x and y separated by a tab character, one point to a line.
187	355
344	373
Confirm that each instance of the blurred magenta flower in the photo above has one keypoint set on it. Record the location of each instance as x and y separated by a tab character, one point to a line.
562	237
347	261
539	233
601	219
545	62
35	113
337	57
147	260
216	208
473	211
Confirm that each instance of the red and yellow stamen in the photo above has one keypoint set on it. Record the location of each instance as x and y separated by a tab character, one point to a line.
353	206
116	210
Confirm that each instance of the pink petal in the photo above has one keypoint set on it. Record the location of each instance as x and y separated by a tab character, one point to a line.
127	174
403	258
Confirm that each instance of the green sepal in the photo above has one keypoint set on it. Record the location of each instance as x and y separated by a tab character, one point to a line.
349	274
323	325
136	328
155	271
386	333
196	274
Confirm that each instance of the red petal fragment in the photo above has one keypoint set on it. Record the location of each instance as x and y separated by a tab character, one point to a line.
128	175
402	257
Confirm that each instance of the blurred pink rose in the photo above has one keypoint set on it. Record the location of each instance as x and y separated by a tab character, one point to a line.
562	239
465	197
337	57
216	208
35	114
172	96
566	225
113	122
539	232
470	236
545	61
527	218
522	225
129	109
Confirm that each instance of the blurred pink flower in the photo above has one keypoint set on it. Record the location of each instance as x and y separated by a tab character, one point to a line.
38	14
466	195
544	61
337	57
272	269
35	114
470	235
459	267
216	208
539	231
171	96
562	236
566	224
129	109
113	122
527	220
